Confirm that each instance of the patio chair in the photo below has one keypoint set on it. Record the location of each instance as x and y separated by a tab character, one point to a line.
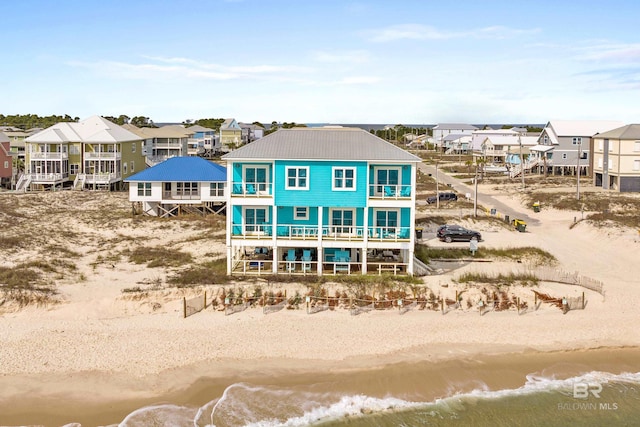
405	192
306	258
291	258
251	189
389	191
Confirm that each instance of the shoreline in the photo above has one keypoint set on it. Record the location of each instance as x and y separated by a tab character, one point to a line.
104	398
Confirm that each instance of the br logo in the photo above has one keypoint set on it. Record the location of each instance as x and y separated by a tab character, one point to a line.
582	390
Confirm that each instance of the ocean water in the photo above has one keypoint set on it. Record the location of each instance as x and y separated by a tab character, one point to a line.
594	398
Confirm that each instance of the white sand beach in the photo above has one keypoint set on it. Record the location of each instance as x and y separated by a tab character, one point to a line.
142	347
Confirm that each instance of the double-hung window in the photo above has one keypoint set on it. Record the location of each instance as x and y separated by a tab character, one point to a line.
297	178
344	179
301	213
255	179
255	219
216	189
342	220
187	189
577	140
144	189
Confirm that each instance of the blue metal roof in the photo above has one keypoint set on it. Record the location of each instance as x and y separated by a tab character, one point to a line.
182	169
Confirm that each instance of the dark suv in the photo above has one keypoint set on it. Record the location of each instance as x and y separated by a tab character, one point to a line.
449	233
444	197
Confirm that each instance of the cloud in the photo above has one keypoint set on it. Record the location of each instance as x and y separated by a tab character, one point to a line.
162	68
352	56
426	32
618	53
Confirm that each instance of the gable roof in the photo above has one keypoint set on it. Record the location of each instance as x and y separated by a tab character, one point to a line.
229	124
198	128
576	128
625	132
455	126
168	131
182	169
92	129
336	143
4	138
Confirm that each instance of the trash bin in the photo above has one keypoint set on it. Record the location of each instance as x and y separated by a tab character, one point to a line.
506	219
536	207
519	225
419	233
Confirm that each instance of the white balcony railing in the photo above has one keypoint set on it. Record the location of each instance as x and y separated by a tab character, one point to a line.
47	155
39	178
101	178
251	189
390	191
90	155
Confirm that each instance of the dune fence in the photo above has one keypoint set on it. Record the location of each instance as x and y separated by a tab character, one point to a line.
550	274
191	306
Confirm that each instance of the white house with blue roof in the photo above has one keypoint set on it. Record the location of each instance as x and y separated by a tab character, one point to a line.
179	185
320	201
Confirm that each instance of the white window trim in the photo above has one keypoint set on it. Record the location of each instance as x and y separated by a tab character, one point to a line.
375	214
636	165
636	146
295	187
333	178
213	189
244	214
577	140
564	156
353	212
295	213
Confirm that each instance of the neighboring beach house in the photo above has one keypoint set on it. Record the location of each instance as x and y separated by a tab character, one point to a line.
616	159
203	140
250	132
92	153
320	201
179	185
230	135
6	161
441	130
164	142
563	141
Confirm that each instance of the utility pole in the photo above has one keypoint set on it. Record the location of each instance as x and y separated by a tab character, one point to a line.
578	170
437	188
475	193
521	160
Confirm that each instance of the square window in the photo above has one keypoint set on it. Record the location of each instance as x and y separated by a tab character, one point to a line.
297	178
344	179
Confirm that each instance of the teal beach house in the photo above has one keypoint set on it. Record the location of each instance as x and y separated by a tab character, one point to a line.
331	200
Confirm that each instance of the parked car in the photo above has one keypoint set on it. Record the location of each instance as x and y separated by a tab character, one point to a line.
444	197
449	233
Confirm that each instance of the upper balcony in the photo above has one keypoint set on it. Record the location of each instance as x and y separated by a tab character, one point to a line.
102	155
252	189
390	191
46	155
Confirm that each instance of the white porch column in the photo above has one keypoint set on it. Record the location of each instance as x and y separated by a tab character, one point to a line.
274	239
319	244
365	238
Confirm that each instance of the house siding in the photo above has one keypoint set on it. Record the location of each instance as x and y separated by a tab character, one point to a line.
320	191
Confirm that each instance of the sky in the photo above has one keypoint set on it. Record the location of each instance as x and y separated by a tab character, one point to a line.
323	61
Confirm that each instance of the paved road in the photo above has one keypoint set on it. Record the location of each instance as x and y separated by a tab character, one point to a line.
484	200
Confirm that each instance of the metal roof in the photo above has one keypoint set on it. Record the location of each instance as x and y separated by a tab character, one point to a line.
182	169
93	129
625	132
586	128
336	143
